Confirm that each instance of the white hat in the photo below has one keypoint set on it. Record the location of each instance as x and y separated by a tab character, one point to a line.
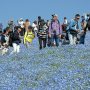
55	15
21	18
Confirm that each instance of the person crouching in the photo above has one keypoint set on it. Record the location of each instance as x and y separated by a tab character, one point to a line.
29	36
4	42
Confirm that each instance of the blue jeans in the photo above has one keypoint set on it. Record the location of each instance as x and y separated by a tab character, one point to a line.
56	38
82	38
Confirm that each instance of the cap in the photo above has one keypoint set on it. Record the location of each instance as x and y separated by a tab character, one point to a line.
55	15
21	19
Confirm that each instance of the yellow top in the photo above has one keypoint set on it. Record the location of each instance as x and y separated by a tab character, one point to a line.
28	37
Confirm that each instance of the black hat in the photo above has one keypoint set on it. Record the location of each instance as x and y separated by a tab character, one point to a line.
54	15
17	27
39	17
77	15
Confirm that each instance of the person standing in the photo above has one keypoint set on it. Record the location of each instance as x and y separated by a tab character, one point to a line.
1	27
11	24
26	24
65	24
64	28
83	30
35	27
55	30
16	40
21	24
42	34
88	24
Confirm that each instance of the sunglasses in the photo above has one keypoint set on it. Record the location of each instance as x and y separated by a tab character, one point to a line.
78	18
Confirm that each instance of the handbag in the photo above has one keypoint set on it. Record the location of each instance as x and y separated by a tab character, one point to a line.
73	32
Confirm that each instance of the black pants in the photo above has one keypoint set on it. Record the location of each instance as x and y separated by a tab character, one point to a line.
82	38
49	42
42	43
67	38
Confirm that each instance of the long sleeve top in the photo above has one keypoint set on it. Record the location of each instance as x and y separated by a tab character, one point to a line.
55	27
73	25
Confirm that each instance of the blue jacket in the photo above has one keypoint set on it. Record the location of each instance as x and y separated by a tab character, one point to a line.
73	25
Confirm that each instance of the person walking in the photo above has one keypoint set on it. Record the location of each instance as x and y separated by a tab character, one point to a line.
29	36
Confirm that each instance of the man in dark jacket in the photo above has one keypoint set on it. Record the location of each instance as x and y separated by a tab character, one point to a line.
16	40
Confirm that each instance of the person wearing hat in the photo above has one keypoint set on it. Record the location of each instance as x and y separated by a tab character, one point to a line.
11	24
55	30
74	30
29	36
21	24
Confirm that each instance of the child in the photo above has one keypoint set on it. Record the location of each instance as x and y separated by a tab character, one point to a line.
29	36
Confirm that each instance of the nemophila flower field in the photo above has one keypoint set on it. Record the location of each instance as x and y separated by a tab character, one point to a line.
63	68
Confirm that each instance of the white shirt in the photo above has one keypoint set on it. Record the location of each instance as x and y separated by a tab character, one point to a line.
34	26
65	21
21	23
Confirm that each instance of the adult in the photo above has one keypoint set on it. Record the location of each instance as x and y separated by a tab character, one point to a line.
21	24
26	24
83	30
35	26
1	27
42	34
16	40
74	30
11	24
55	30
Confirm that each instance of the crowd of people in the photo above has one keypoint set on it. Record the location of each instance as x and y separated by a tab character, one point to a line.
50	33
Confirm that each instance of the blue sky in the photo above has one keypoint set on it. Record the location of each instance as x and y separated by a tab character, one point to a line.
33	8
